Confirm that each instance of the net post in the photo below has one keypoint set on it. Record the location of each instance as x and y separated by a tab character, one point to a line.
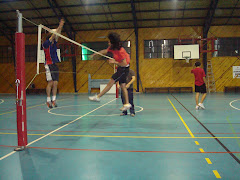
20	86
39	46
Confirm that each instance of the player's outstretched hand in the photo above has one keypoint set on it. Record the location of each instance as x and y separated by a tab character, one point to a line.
62	22
92	56
112	61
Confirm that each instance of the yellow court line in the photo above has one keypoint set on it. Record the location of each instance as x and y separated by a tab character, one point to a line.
186	126
217	174
208	161
196	142
9	112
156	137
201	150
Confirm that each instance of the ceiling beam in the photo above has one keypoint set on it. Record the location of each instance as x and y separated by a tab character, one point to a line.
137	11
134	15
7	31
210	16
41	16
206	27
6	35
200	24
63	15
7	1
91	4
232	12
55	6
136	39
130	20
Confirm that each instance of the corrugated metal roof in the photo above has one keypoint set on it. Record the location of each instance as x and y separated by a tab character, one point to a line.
113	14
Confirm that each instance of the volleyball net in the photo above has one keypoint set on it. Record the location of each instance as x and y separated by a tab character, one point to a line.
67	49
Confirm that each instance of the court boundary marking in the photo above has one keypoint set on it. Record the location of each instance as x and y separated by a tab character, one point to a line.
144	137
230	104
9	112
2	101
49	111
141	151
1	158
114	132
223	146
184	123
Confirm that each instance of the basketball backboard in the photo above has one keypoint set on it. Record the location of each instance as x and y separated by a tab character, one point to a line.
186	51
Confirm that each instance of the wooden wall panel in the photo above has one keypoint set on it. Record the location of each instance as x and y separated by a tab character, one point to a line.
4	41
222	66
153	72
7	78
166	72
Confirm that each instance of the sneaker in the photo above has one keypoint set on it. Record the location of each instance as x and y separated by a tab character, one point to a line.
201	105
94	98
132	114
197	107
123	114
125	107
49	105
54	104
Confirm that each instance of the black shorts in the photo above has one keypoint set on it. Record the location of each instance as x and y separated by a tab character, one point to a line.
52	72
201	89
121	75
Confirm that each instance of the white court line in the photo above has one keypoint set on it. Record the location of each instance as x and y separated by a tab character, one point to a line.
233	106
9	154
49	111
57	129
2	101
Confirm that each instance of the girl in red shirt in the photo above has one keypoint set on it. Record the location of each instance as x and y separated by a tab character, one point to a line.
122	59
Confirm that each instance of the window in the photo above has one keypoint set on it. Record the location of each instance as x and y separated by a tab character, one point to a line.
227	47
6	54
159	48
98	46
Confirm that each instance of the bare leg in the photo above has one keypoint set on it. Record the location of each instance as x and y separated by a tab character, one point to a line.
125	92
48	88
54	90
197	98
203	97
107	88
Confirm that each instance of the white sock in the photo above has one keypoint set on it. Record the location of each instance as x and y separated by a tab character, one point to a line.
48	99
54	98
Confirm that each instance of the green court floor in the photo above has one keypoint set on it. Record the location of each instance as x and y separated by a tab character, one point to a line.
167	139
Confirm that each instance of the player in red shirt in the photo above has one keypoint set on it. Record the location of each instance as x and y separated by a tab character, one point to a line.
200	84
122	60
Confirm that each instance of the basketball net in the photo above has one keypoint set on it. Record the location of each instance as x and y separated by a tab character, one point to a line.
187	59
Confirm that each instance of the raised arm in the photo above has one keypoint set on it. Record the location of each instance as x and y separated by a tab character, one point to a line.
59	29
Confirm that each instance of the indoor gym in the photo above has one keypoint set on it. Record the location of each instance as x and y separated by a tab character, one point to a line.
167	138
